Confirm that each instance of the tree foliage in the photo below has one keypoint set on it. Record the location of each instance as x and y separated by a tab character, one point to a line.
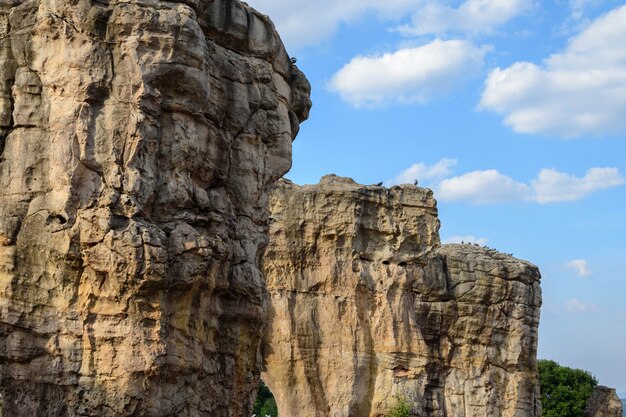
400	409
564	391
265	404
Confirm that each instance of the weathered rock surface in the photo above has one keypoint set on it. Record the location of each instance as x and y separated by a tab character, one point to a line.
366	306
603	402
138	139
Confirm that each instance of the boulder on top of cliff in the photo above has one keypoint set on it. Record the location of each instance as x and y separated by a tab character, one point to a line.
603	402
138	140
367	307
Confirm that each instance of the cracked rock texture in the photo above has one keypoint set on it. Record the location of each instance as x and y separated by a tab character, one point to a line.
138	141
367	307
604	402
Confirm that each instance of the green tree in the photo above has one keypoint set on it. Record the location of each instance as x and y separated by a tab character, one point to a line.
400	409
265	404
269	408
564	391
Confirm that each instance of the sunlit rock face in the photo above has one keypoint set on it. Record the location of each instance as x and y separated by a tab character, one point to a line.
138	141
367	307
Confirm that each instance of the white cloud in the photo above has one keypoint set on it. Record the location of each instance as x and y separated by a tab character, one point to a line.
408	75
482	187
579	8
467	239
578	306
471	16
581	266
581	91
424	172
305	22
553	186
491	186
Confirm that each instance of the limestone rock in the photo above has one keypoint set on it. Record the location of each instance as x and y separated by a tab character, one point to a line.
603	402
367	307
138	140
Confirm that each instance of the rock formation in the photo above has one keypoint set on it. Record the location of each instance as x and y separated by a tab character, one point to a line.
603	402
366	307
138	139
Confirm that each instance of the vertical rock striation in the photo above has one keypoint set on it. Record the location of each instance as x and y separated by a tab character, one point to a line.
367	307
604	402
138	139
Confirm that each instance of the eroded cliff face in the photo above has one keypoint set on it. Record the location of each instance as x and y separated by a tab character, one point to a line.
604	402
138	140
367	307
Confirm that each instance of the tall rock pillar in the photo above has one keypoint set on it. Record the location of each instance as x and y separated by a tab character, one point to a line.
138	141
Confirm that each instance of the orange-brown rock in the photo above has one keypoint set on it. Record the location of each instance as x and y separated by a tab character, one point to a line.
367	307
138	139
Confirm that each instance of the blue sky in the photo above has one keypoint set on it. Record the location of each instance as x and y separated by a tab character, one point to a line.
512	111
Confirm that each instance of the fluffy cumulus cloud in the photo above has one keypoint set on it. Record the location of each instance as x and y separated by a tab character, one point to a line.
425	173
407	75
482	187
472	16
580	266
578	306
305	22
491	186
553	186
467	239
581	91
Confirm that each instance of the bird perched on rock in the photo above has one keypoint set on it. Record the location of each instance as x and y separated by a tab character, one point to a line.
379	184
293	60
415	182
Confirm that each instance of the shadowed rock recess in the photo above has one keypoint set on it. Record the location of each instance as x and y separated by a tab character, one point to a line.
367	307
138	141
